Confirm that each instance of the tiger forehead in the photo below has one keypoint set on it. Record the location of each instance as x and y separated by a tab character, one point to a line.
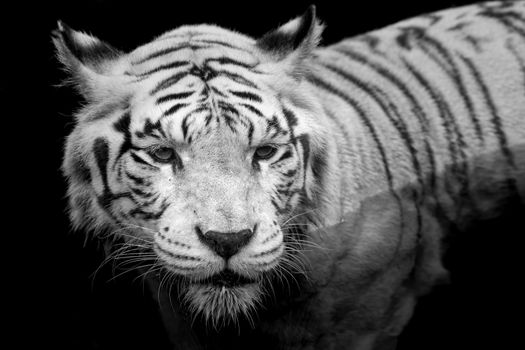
199	82
192	44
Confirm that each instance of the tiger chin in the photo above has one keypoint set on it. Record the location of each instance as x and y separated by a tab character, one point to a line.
224	301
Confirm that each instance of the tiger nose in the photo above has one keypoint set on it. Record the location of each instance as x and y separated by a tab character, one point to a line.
225	244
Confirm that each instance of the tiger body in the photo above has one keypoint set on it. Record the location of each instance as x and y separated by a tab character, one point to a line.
380	143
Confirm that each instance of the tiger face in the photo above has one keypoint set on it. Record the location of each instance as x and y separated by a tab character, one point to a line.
203	147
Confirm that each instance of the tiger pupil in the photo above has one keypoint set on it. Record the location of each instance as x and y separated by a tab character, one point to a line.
265	152
164	153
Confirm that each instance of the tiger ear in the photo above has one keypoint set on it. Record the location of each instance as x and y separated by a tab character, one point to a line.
292	43
96	68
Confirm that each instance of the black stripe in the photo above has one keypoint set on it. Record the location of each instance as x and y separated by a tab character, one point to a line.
227	60
151	129
273	126
184	126
221	43
459	169
227	107
101	153
519	59
171	97
217	91
252	109
151	201
148	215
416	108
236	77
283	156
174	109
171	65
388	75
390	111
291	119
167	51
366	122
138	159
137	179
168	82
452	71
304	140
246	95
228	111
139	192
319	166
177	256
173	36
290	173
278	209
371	41
267	252
122	126
495	119
505	21
79	169
250	132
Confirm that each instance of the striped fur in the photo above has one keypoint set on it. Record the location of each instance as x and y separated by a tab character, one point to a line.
381	143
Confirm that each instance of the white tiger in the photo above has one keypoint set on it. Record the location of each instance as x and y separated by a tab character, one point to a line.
306	189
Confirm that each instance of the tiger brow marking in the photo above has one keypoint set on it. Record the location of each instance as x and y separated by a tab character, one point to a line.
138	159
167	66
176	96
169	50
246	95
236	77
169	81
220	43
252	109
287	154
228	60
173	109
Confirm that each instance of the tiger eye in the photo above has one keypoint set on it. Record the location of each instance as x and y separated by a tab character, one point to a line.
265	152
163	154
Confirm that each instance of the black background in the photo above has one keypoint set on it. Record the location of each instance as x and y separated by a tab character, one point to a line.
58	305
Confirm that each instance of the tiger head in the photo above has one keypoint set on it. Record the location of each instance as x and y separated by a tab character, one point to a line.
205	149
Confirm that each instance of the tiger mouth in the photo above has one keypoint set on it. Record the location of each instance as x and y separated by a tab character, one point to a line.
228	279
